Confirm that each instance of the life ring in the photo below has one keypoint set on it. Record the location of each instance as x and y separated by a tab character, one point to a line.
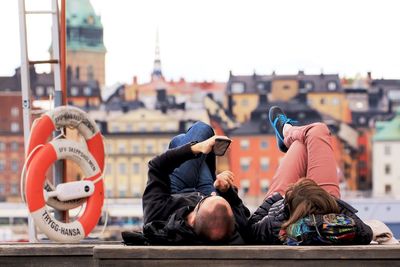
60	117
36	177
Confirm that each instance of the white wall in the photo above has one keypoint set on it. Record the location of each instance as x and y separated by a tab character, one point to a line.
380	178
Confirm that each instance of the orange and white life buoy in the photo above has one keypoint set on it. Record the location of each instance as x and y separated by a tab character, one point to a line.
60	117
36	177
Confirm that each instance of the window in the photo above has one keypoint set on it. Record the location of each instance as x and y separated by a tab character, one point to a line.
121	168
14	111
264	185
309	85
286	87
264	144
332	86
87	91
157	127
136	168
90	73
335	101
387	150
362	120
245	164
388	188
39	90
245	185
115	128
237	87
108	169
122	192
14	127
129	127
2	165
121	148
149	148
244	144
14	189
245	102
74	91
2	146
322	101
14	165
388	169
261	87
264	164
50	90
109	192
135	149
359	105
109	148
2	189
14	146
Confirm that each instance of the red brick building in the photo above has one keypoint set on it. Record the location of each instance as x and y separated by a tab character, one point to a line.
11	144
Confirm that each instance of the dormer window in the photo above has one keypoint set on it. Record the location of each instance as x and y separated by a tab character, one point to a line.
237	87
332	86
39	90
309	85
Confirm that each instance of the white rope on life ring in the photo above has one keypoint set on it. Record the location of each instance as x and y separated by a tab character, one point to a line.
60	117
36	177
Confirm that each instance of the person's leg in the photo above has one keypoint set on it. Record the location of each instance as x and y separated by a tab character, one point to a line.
320	159
291	168
193	174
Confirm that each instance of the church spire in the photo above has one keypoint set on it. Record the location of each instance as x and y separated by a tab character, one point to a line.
157	73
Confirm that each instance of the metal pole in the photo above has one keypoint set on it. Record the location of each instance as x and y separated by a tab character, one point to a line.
26	96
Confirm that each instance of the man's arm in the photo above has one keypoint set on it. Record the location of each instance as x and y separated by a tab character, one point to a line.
156	197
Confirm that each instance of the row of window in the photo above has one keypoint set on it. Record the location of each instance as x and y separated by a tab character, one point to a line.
14	189
14	165
141	128
246	161
122	168
245	144
262	87
136	149
14	146
74	91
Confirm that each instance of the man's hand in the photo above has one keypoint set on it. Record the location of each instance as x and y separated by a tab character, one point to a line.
206	146
224	181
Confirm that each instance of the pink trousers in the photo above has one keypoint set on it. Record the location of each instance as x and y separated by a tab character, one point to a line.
310	155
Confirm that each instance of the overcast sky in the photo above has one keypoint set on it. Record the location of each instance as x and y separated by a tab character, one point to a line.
205	39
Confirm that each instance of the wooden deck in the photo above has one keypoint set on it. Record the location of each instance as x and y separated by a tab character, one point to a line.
118	255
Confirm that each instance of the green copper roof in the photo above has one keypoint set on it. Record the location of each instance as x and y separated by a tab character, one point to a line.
388	131
80	13
84	27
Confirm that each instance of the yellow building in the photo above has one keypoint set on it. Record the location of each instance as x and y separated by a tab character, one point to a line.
284	88
334	104
132	140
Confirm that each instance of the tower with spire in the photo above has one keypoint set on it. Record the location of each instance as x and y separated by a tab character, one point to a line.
156	75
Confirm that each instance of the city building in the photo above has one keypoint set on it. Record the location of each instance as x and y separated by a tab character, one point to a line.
132	139
11	139
386	154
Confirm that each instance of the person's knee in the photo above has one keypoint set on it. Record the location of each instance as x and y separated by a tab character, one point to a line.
319	129
201	127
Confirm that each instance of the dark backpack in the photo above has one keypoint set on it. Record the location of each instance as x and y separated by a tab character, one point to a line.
327	229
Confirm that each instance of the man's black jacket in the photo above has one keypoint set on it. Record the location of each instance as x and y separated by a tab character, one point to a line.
165	213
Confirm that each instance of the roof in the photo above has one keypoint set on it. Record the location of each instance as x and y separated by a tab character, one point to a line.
259	122
388	131
315	82
78	12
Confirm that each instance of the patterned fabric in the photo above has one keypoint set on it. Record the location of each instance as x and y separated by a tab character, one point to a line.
327	229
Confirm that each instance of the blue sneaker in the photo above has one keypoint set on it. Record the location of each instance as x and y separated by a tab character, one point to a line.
278	118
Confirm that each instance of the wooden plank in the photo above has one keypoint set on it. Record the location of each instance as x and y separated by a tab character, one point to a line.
47	261
247	252
250	263
46	250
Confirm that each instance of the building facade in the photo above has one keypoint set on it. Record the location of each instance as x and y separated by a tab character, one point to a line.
386	154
